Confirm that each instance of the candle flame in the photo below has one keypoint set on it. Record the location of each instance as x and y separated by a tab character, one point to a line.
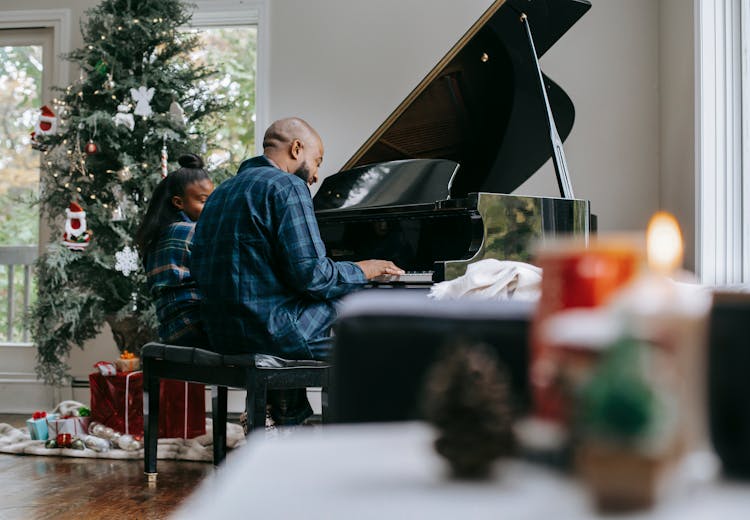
664	243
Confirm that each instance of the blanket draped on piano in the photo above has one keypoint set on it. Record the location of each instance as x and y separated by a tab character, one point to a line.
492	279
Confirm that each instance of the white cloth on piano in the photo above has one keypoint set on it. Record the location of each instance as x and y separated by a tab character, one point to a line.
492	279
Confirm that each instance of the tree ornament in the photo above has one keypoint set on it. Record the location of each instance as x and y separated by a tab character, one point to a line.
176	113
123	441
124	173
110	82
76	236
118	215
101	67
126	261
97	443
467	397
164	158
124	117
45	125
142	97
91	148
47	122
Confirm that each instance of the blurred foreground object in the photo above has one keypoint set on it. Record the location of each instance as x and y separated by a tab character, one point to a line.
386	340
576	276
729	381
628	434
467	397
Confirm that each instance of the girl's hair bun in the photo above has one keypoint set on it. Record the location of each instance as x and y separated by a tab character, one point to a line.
190	160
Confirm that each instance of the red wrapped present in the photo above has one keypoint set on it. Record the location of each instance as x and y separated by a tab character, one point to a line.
117	402
182	409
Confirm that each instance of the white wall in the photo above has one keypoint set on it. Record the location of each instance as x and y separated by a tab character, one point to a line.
627	65
608	65
677	101
345	73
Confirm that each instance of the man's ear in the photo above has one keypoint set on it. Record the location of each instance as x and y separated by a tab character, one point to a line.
296	148
177	202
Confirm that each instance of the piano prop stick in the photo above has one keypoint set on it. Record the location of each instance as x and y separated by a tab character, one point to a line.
558	154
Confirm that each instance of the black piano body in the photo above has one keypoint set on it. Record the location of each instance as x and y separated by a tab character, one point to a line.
431	188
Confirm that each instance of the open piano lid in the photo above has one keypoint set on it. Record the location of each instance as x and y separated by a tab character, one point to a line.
480	106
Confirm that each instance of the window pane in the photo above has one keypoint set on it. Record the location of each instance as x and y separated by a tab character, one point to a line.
232	51
20	100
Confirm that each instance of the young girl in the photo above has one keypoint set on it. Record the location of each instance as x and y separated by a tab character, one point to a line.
164	240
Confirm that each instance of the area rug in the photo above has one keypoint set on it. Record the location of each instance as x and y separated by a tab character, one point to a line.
17	441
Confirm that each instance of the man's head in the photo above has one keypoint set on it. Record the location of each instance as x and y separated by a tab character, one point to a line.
295	147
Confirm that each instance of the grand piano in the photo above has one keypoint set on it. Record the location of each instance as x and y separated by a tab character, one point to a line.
431	189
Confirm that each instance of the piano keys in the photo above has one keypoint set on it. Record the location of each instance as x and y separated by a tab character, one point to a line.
431	189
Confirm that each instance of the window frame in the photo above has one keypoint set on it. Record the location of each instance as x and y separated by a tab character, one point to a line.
60	22
723	141
237	13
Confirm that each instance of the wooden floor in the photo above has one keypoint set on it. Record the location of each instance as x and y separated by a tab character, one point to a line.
70	488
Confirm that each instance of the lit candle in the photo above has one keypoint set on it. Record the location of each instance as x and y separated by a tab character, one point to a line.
672	316
664	248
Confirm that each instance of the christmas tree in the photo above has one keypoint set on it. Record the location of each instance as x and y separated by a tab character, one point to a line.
106	142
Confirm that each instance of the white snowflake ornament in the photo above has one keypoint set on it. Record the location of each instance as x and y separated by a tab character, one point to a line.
126	261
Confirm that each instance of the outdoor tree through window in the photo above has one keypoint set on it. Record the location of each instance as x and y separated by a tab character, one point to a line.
21	84
20	95
232	51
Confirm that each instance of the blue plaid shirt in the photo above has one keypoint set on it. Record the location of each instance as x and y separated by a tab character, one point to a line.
260	263
171	285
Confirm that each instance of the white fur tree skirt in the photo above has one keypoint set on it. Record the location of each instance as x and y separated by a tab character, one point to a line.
17	441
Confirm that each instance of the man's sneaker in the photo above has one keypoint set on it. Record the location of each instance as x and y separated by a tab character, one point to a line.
270	424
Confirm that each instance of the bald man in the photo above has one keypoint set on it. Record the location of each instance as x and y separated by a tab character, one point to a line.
257	256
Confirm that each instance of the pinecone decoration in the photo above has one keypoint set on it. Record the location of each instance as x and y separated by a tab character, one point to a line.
467	397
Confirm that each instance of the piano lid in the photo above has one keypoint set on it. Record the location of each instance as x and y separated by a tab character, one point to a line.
480	106
392	183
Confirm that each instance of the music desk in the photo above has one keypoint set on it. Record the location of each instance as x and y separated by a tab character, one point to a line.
389	471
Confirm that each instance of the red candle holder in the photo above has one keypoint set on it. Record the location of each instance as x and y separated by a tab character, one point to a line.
64	440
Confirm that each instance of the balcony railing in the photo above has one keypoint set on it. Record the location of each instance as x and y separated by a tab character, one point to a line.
15	260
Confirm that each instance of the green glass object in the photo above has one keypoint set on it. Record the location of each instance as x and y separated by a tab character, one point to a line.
101	67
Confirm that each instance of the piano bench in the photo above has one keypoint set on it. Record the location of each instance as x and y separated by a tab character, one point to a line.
256	373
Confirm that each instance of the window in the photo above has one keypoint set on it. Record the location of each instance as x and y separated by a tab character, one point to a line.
25	56
29	39
231	33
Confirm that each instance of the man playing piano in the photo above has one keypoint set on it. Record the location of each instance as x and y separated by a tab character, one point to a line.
266	284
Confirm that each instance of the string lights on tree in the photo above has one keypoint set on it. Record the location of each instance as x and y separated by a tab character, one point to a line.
100	157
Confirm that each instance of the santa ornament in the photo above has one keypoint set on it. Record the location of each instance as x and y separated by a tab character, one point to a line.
76	236
45	125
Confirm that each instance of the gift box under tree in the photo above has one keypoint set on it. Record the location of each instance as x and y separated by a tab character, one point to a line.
37	425
117	402
77	427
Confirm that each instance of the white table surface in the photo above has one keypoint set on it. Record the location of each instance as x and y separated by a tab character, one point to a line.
390	471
